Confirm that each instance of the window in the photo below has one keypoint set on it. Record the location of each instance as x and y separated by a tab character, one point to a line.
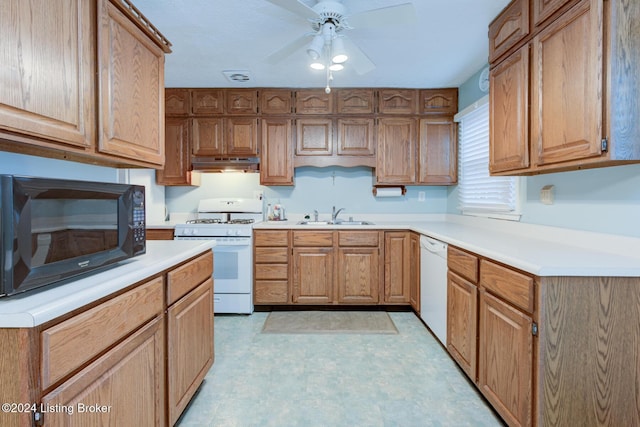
478	193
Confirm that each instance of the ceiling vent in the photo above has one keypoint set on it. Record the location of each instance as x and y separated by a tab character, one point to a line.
237	76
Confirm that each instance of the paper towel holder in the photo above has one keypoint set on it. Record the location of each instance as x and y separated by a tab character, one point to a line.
402	188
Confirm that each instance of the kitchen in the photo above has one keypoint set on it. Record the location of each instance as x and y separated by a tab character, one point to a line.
602	200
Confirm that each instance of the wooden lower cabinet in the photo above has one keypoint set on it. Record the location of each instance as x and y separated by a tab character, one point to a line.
271	267
397	267
462	303
123	387
189	346
159	233
313	275
358	275
414	272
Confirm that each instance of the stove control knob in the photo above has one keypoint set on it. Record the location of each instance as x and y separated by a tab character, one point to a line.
186	231
238	232
229	232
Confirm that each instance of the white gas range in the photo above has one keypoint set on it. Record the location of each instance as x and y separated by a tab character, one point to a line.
229	222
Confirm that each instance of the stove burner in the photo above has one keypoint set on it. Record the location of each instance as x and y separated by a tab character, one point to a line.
241	221
204	221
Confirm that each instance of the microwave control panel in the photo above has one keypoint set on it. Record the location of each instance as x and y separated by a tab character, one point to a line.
139	227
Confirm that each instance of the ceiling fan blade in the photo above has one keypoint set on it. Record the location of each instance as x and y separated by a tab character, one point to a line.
357	58
296	7
288	49
400	14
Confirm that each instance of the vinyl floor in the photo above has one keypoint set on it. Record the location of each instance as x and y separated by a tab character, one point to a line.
333	380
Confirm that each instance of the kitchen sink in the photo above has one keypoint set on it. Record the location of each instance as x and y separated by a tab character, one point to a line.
335	223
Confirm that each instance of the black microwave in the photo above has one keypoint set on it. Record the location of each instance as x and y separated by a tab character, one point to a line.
53	230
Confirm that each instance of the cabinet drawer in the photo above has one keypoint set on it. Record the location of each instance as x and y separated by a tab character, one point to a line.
358	238
514	287
272	255
271	292
188	276
272	271
312	238
511	26
271	238
463	263
68	345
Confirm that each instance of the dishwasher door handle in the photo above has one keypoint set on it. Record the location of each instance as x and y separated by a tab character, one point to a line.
431	245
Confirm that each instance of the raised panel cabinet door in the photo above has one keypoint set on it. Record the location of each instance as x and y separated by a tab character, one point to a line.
177	102
312	275
207	101
543	9
396	162
189	346
567	86
462	323
505	367
397	261
131	89
314	137
356	137
355	101
47	69
276	154
313	101
128	380
242	101
242	136
358	275
178	161
397	101
509	113
208	136
438	101
275	101
414	272
438	151
508	28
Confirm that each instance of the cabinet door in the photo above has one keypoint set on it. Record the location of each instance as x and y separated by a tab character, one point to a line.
438	101
355	137
462	323
313	275
505	371
397	142
414	272
207	101
567	86
509	113
314	137
242	101
275	101
242	136
128	383
355	101
176	168
543	9
276	154
47	57
358	275
208	136
397	101
313	101
438	151
131	89
189	346
177	102
511	26
397	273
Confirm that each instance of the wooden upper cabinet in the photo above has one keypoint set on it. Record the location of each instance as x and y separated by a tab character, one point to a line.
438	101
511	26
242	136
275	101
396	162
568	82
208	136
314	137
241	101
177	102
438	151
313	101
355	101
356	137
207	101
397	101
509	113
276	154
131	88
543	9
177	146
47	52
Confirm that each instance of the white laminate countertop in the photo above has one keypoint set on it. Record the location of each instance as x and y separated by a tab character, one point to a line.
539	250
39	306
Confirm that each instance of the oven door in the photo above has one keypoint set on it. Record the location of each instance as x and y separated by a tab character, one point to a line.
232	268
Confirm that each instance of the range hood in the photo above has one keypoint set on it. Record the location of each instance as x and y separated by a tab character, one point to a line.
239	164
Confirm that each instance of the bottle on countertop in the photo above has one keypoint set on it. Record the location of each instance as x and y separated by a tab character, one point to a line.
269	212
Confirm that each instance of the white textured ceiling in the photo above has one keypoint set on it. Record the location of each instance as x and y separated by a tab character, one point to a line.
446	45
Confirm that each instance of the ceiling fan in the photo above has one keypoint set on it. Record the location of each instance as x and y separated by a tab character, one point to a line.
330	20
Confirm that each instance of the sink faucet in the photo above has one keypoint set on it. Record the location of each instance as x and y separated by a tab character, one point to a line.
315	215
334	214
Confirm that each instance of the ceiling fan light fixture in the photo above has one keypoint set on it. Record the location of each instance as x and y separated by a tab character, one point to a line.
339	54
317	65
336	67
315	48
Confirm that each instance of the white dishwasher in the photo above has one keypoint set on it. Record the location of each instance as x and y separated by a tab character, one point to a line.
433	286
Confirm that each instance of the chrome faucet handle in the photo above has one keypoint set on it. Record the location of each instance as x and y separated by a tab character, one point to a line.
315	215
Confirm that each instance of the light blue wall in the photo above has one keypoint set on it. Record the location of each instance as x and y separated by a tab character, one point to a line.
604	199
315	188
20	164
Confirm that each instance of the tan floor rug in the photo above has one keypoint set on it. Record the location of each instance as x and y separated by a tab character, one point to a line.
329	322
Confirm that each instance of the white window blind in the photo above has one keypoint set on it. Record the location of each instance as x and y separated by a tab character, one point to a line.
479	193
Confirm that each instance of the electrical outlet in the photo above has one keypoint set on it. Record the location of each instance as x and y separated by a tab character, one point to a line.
421	196
546	195
258	194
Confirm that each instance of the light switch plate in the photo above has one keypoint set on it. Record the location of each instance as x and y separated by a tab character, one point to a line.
421	196
546	194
